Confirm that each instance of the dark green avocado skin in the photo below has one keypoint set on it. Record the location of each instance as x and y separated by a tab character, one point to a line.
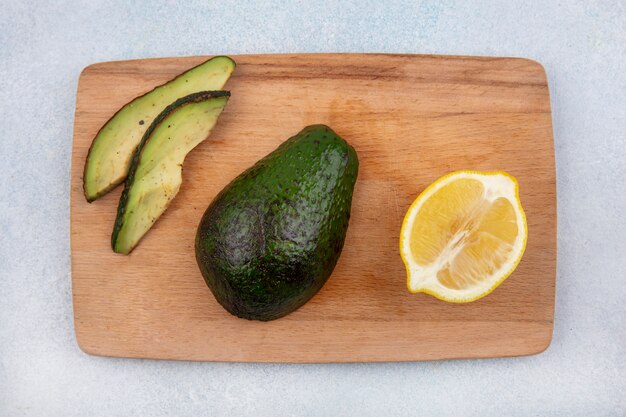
271	238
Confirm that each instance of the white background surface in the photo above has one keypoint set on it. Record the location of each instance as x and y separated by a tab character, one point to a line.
44	46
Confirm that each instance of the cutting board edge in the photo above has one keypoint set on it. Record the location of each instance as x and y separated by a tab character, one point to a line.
547	337
531	61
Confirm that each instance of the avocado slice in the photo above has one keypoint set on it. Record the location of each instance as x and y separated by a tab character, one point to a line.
271	238
112	149
155	174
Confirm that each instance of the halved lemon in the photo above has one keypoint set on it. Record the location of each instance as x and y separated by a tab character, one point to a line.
464	235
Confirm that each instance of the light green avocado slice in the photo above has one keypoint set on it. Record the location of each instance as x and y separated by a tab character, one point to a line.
155	173
112	149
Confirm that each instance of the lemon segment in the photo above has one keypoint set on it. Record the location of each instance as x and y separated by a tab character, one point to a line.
463	235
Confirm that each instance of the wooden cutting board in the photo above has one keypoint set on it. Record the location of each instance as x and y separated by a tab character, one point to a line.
411	118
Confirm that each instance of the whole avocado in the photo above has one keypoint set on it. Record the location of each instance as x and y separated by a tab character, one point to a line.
271	238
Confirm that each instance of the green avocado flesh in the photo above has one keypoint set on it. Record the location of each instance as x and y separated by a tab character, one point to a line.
113	147
155	174
271	238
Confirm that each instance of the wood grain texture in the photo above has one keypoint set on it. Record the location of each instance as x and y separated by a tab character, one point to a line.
411	118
